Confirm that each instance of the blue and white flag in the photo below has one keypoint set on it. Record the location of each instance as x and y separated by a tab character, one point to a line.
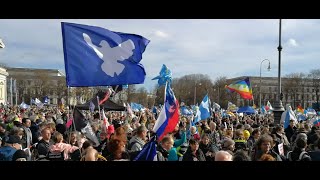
38	103
95	56
197	116
23	105
92	106
185	111
46	100
205	108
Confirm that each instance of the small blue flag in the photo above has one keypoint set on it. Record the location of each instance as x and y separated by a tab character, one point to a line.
165	75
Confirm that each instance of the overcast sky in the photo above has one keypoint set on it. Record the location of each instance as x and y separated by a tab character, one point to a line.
212	46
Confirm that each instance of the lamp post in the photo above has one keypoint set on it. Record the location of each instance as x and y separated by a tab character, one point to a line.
278	107
260	79
218	94
195	92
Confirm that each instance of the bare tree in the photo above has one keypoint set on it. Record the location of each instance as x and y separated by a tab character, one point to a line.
294	87
314	75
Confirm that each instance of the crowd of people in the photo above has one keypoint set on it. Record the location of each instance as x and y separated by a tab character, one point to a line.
42	134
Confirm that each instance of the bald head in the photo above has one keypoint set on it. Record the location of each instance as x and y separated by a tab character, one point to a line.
223	156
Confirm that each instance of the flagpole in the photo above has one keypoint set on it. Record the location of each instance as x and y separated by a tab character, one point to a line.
99	108
11	97
164	97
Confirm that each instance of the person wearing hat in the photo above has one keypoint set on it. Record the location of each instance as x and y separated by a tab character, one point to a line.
12	144
19	155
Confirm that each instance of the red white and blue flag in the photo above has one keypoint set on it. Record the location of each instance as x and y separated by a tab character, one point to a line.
169	115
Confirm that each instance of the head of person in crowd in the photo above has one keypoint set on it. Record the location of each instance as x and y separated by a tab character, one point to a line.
103	136
267	157
264	143
142	132
194	145
14	141
116	147
73	138
46	134
52	127
239	134
301	141
205	139
212	126
17	131
57	138
256	133
167	142
265	129
120	134
228	145
223	156
20	155
279	129
229	133
241	156
193	130
240	126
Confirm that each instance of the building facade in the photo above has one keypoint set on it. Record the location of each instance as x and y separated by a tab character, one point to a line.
3	85
295	91
29	83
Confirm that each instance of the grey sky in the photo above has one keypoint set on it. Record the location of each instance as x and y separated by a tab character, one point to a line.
215	47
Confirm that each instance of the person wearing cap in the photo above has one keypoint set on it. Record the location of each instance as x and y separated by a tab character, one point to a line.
12	144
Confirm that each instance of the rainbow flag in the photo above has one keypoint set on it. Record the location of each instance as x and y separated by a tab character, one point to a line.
242	87
300	109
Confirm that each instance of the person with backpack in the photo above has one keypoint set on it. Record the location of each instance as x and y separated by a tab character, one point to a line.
299	152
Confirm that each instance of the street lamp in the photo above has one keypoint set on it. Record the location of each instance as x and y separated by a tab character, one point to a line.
278	107
260	80
218	94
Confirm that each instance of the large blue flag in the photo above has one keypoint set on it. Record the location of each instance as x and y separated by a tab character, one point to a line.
95	56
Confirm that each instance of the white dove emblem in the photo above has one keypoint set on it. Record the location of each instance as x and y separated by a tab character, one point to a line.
111	56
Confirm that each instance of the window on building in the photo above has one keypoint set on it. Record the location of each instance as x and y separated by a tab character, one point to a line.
312	90
269	89
307	89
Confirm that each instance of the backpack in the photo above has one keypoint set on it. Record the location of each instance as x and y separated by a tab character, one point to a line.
301	156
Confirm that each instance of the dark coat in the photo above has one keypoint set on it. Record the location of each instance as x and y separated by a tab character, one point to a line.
189	156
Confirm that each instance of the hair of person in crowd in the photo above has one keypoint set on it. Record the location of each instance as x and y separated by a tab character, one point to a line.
267	157
241	155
